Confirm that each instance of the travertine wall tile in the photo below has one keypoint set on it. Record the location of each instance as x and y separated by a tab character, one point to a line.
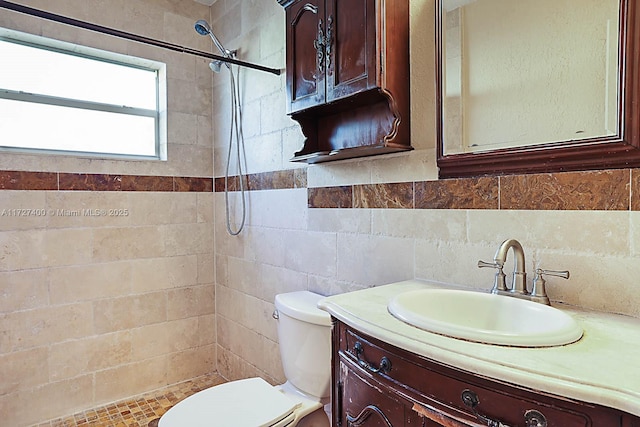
18	373
265	245
80	357
89	282
155	274
113	244
595	232
207	329
374	260
243	275
19	406
22	210
206	268
311	252
45	326
23	290
116	314
420	224
132	379
340	220
275	280
190	301
83	296
190	363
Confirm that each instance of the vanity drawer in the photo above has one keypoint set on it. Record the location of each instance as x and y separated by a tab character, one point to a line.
428	384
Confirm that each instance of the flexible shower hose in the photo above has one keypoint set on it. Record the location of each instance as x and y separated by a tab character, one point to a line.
235	130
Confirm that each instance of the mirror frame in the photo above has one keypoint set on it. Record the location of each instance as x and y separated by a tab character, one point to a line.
619	151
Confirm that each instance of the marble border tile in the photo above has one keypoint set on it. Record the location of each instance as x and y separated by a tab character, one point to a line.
635	189
384	196
595	190
89	182
611	189
20	180
201	185
275	180
147	183
63	181
330	197
464	193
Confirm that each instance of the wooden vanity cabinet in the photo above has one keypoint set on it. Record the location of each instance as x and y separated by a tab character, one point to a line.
347	76
376	384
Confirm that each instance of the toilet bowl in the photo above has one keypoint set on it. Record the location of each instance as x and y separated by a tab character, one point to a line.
304	334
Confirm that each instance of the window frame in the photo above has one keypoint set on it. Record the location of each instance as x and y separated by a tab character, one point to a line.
159	114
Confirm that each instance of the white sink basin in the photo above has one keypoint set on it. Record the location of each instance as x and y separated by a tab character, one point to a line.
485	318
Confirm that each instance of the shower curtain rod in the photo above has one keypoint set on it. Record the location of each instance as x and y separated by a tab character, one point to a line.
129	36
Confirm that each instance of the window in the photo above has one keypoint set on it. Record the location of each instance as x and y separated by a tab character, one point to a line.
60	97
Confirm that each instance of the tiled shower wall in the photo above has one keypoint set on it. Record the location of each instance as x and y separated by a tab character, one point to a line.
351	230
97	309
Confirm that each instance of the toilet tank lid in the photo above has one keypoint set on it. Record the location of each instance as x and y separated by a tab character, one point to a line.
303	305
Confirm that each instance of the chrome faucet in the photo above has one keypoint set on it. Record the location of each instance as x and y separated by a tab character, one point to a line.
519	283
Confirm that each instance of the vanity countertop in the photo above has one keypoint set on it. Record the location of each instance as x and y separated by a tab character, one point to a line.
601	368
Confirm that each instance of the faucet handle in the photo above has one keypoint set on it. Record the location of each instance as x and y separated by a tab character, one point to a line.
499	283
539	291
564	274
482	264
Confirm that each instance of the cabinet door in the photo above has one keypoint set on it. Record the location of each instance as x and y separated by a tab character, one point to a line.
351	47
305	54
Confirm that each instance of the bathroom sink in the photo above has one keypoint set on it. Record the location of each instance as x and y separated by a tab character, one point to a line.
485	318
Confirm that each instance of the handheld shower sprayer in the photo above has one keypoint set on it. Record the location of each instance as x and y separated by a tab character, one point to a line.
204	29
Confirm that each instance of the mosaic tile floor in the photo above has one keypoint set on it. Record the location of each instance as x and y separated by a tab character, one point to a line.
139	411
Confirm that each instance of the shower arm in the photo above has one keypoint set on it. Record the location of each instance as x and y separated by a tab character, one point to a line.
130	36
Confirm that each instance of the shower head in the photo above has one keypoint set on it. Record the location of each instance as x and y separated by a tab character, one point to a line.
215	66
203	28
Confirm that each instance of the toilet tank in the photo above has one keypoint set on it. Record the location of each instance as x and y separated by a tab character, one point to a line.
304	333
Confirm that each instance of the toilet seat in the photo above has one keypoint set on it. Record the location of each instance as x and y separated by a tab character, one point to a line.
251	402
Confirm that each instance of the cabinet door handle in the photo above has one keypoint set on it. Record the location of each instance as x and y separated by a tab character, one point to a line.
471	401
532	418
319	45
385	363
329	41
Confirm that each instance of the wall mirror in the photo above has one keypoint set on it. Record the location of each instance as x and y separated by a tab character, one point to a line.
528	86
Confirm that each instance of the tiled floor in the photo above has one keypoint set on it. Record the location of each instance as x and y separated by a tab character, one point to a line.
138	411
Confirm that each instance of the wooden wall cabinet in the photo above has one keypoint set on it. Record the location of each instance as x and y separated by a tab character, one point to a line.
347	76
378	385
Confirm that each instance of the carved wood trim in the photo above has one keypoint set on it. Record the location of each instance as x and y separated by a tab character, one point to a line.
397	116
365	414
306	8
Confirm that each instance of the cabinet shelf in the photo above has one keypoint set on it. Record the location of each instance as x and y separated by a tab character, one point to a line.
362	125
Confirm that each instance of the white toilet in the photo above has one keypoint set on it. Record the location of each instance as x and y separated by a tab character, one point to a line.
304	332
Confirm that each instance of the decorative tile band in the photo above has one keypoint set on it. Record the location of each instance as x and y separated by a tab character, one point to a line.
615	189
612	189
277	180
23	180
